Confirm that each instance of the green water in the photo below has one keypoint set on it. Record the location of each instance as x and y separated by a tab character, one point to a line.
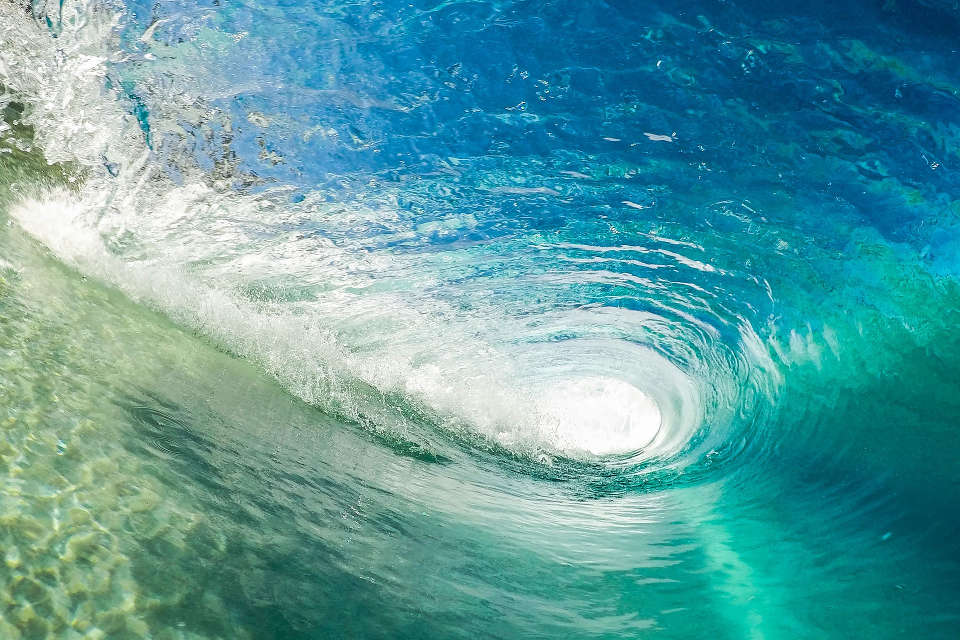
154	485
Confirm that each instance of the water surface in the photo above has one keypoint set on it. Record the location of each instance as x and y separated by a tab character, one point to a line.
479	319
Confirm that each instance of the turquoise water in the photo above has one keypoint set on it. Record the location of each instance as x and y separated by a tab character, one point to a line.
470	319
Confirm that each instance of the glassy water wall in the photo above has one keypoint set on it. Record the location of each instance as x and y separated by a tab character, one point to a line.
479	319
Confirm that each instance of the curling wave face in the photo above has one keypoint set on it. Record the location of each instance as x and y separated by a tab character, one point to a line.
317	293
601	332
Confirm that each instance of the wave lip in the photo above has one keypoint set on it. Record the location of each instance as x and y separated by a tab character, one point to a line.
362	331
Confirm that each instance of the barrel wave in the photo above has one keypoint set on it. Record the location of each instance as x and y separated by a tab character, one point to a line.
479	319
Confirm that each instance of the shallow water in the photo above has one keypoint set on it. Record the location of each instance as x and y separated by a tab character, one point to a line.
477	319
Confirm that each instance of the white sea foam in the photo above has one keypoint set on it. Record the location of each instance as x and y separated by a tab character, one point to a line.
602	415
